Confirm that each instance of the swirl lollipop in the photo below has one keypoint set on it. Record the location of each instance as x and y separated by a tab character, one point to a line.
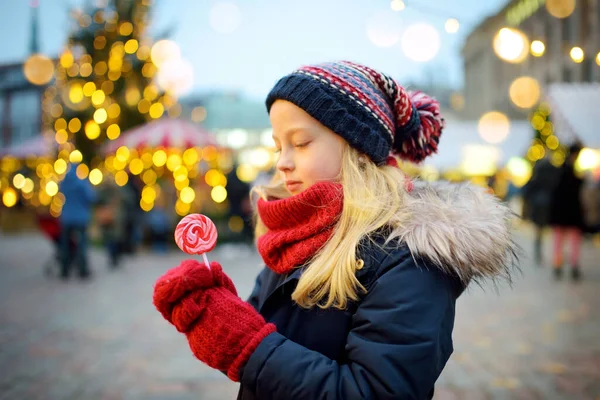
196	234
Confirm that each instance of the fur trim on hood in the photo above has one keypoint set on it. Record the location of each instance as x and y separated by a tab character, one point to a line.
461	228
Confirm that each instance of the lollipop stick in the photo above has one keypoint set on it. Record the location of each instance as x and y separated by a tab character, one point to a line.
206	260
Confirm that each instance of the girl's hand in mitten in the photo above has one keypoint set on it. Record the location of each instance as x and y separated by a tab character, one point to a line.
222	330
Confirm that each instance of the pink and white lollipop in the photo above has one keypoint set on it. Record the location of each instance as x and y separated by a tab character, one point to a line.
196	234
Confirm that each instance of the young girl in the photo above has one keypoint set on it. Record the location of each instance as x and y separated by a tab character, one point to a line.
363	268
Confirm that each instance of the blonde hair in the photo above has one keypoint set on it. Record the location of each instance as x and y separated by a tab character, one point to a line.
373	198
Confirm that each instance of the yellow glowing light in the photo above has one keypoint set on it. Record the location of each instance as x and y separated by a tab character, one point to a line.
89	89
98	97
236	224
143	53
136	166
598	58
131	46
209	153
28	186
45	198
75	157
56	110
38	69
218	194
74	125
180	173
144	106
577	54
214	178
182	183
114	75
149	177
9	197
164	50
122	153
95	176
246	172
452	25
187	195
60	123
181	208
113	110
132	96
66	59
18	181
511	45
588	160
119	164
73	71
190	156
148	194
494	127
146	206
156	110
61	137
538	122
151	92
524	92
76	93
82	171
552	142
126	29
519	169
159	158
51	188
397	5
537	48
100	42
60	166
85	70
107	87
173	162
121	178
100	116
560	8
113	131
148	70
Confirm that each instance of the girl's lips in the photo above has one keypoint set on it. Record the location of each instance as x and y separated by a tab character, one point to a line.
293	186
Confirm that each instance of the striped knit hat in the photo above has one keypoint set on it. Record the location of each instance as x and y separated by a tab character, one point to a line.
370	110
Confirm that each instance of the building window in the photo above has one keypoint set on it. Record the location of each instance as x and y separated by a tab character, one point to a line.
589	65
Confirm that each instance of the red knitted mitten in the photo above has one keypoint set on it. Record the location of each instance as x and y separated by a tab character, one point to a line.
222	330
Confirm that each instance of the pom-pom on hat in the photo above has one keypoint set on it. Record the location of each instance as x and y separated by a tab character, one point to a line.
369	109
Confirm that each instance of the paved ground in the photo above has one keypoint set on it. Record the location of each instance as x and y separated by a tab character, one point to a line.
104	340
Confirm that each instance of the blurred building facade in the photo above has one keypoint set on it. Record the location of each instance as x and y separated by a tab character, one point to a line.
20	100
488	78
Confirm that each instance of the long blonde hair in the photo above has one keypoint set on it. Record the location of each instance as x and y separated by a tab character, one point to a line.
373	198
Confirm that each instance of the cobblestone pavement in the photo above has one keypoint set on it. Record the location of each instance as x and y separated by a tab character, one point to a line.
103	339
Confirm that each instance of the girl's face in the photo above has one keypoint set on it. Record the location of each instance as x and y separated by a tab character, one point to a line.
308	151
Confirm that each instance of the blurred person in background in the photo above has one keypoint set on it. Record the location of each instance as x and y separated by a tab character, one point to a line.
537	195
159	224
590	198
566	214
239	202
75	219
133	214
111	219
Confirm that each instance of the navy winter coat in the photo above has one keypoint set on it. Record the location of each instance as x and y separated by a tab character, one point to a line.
392	344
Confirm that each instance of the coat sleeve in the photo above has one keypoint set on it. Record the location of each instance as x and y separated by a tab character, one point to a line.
255	295
399	342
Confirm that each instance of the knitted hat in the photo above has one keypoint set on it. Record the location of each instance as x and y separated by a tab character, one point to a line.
370	110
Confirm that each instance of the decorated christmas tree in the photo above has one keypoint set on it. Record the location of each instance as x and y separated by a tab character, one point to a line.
545	140
104	78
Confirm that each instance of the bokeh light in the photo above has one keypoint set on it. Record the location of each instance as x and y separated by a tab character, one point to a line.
187	195
96	176
560	8
511	45
577	54
9	197
421	42
452	25
51	188
176	76
397	5
494	127
164	50
75	157
38	69
121	178
537	48
524	92
218	194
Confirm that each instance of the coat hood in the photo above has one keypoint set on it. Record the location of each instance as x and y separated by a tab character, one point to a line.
461	228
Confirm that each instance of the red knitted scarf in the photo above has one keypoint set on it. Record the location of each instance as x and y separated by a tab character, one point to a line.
299	225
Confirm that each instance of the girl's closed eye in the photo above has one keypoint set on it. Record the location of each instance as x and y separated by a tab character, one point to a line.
303	144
